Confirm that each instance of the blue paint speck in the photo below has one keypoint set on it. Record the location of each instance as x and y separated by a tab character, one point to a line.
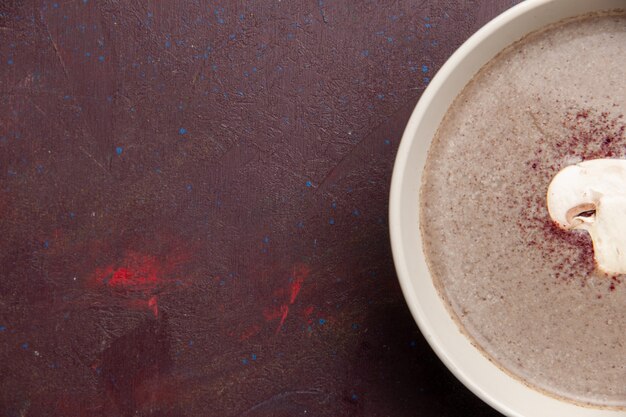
244	361
290	36
109	99
24	346
87	54
85	1
426	80
355	326
428	25
10	61
333	204
190	343
150	14
55	6
300	224
424	68
182	131
322	321
241	17
266	239
390	39
253	356
365	53
331	221
356	213
46	244
309	184
232	36
119	150
168	44
72	215
220	21
387	142
67	97
2	328
380	96
189	187
246	74
39	169
101	58
354	397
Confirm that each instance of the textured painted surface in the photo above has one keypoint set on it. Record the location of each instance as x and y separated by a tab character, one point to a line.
194	207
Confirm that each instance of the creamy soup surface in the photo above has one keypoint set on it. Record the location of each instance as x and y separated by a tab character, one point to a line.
524	291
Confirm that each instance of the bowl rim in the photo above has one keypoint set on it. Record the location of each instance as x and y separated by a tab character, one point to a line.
398	230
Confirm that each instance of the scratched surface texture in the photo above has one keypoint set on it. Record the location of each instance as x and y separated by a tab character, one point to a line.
193	198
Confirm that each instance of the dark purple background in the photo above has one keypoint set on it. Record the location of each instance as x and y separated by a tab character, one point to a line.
194	207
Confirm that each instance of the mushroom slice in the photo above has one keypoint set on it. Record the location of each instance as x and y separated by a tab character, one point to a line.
591	196
582	213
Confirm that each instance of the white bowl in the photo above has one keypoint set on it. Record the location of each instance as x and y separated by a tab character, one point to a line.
503	392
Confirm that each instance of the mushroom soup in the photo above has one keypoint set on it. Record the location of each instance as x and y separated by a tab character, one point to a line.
526	289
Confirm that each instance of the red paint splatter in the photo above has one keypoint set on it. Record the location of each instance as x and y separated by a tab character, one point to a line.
153	305
300	273
308	311
135	272
284	310
138	272
140	277
124	277
284	302
296	286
